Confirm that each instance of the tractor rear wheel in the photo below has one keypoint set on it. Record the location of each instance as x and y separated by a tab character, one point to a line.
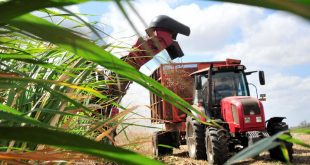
162	138
216	145
274	126
195	134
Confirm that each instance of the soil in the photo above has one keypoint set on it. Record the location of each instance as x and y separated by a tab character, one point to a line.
180	156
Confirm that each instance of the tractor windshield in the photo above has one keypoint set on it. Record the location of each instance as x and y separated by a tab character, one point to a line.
225	84
228	84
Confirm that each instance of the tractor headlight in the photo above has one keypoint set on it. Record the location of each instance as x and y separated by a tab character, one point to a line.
258	119
247	119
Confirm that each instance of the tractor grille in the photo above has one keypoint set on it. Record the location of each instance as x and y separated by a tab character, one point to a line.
250	107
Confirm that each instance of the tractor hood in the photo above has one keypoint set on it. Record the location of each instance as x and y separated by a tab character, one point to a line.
243	113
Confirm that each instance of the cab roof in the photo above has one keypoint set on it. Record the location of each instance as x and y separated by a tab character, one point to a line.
220	66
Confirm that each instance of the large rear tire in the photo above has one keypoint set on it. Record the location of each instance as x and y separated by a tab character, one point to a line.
274	126
164	138
216	145
195	135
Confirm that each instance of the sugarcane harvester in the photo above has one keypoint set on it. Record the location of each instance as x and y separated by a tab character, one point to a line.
161	35
218	90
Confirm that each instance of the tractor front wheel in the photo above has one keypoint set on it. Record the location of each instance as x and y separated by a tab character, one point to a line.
274	126
195	134
216	145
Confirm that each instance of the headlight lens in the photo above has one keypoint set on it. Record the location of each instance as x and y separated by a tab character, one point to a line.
247	119
258	119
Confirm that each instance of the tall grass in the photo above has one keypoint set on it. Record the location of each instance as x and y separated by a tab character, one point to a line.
45	85
49	94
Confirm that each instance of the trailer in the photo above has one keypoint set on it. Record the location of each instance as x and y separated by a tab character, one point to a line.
176	77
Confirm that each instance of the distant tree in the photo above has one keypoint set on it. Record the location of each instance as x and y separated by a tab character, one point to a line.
304	124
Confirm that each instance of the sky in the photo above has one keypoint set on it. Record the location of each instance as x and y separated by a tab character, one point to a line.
274	41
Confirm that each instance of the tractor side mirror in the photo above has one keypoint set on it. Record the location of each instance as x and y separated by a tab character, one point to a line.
198	85
262	97
261	77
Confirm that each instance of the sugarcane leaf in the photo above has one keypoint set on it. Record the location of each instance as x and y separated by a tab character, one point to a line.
74	142
10	114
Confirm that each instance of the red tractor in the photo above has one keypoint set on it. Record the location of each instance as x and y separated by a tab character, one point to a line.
220	91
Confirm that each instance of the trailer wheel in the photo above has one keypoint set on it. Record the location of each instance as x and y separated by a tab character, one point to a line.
195	134
274	126
164	138
216	145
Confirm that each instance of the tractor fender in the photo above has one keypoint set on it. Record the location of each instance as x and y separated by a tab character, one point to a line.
275	120
276	124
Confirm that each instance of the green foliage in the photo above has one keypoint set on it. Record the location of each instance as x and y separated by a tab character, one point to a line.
74	142
46	82
10	114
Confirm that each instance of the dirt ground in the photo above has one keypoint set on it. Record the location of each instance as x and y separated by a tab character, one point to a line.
143	145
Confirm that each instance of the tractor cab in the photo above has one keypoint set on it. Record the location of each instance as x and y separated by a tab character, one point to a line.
223	91
224	81
218	81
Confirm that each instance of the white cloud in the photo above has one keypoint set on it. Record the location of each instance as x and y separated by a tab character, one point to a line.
279	40
288	96
211	27
269	41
